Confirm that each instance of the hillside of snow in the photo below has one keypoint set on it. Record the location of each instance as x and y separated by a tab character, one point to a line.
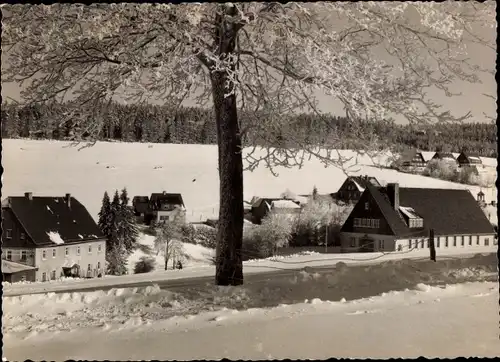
54	168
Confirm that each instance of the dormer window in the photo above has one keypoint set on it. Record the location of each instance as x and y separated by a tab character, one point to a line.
414	220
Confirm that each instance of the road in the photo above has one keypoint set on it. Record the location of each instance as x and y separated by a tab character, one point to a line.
250	278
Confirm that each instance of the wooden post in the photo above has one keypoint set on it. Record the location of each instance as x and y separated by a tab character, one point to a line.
431	245
326	239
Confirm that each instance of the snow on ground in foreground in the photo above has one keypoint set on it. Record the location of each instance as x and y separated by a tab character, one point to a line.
447	321
297	261
107	166
193	256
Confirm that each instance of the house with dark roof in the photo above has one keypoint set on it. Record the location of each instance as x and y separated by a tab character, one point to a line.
399	219
55	235
445	156
262	206
468	159
140	205
166	206
17	272
353	187
411	160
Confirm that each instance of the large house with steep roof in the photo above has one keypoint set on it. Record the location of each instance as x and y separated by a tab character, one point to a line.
54	235
399	219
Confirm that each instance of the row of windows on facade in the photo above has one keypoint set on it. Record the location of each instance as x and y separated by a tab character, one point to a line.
416	244
89	271
24	253
375	223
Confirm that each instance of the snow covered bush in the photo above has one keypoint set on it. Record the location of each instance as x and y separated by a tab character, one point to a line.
310	226
262	241
144	265
441	169
168	242
206	237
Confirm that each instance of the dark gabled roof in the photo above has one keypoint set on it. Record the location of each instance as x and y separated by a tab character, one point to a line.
365	181
168	198
42	215
409	154
447	211
140	199
443	155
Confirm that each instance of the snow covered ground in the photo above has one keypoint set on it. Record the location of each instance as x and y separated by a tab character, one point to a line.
193	256
55	168
130	324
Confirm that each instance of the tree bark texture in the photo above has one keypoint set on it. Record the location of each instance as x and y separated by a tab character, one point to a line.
229	263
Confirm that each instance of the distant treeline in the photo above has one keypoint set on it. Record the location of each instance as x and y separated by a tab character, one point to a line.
164	124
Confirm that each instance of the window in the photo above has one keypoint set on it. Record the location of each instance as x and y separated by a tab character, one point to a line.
8	233
164	217
409	244
24	255
98	265
90	249
422	243
438	242
462	240
23	236
9	255
367	223
416	244
53	253
486	242
353	242
477	240
400	247
77	250
99	248
381	244
66	251
446	243
44	277
44	254
454	241
53	275
367	205
89	267
23	278
470	239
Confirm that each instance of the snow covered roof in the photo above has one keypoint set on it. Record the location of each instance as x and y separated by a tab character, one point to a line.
284	204
9	267
52	220
409	212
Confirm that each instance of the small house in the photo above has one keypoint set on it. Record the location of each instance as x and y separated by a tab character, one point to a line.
467	159
140	205
166	207
445	156
353	187
16	272
262	206
411	160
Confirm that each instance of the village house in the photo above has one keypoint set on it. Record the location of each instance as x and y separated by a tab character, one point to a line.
465	159
353	187
411	160
399	219
166	207
445	156
56	236
262	206
140	205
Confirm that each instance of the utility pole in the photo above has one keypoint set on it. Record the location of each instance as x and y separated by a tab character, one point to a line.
326	239
431	245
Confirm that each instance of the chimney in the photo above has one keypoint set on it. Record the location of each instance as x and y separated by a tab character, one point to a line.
393	193
28	195
67	198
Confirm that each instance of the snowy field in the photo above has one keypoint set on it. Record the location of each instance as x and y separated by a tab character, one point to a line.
54	168
130	324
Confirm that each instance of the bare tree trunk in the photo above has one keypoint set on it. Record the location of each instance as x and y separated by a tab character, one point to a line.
229	264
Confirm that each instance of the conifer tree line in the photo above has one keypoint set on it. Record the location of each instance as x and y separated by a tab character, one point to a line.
191	125
117	222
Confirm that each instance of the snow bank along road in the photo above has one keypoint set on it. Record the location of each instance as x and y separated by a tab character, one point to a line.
202	275
446	321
